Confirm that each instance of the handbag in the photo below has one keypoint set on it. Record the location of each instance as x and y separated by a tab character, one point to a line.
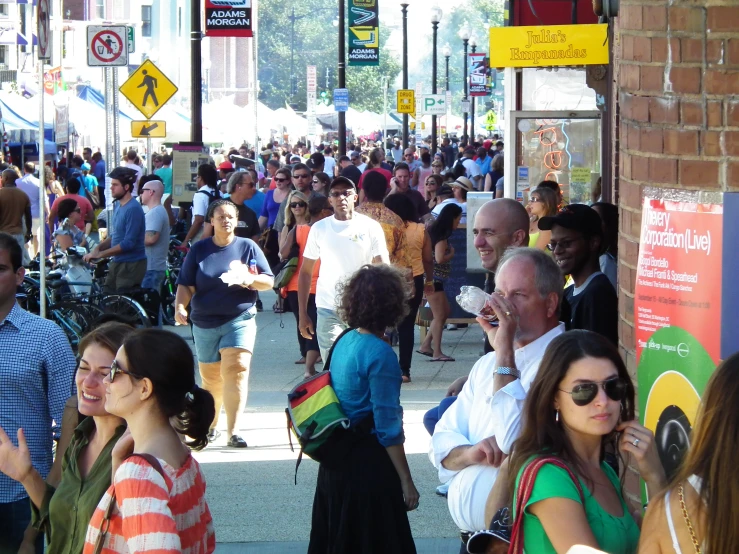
286	269
314	413
504	537
105	523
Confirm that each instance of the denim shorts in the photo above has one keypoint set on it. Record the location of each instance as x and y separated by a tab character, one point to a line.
240	332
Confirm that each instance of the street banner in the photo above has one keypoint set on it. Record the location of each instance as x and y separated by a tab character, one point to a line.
479	75
677	312
228	18
364	33
61	124
53	81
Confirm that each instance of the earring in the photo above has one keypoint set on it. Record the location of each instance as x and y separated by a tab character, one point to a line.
556	416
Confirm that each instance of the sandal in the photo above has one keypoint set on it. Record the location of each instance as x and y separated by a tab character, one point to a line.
442	359
422	353
301	361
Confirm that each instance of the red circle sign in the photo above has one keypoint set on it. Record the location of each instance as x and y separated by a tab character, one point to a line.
107	46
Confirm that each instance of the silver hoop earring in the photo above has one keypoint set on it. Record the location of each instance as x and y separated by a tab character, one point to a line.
556	416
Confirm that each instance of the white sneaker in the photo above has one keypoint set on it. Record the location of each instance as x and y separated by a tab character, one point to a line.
452	327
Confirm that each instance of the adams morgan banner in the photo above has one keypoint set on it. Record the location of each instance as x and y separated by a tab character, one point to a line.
228	18
364	33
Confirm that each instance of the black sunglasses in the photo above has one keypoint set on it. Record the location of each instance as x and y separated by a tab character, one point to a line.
298	205
281	180
115	369
585	393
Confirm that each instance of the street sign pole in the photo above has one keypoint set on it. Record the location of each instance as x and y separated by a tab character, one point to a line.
148	155
42	195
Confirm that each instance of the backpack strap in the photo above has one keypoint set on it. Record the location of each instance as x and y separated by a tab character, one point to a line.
327	363
153	462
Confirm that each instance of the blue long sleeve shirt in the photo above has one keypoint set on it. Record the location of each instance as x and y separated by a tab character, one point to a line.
129	229
366	376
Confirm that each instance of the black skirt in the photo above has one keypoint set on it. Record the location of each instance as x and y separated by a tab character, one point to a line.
358	507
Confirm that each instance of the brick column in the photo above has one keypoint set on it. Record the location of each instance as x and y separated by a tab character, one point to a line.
677	69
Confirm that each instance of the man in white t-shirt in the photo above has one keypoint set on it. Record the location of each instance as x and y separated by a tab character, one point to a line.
472	169
343	243
207	182
131	163
329	167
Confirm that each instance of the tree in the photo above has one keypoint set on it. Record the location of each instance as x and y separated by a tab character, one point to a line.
314	42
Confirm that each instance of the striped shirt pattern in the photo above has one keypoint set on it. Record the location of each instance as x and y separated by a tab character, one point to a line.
153	514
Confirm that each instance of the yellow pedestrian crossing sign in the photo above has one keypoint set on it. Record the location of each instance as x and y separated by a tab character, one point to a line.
148	89
491	120
407	101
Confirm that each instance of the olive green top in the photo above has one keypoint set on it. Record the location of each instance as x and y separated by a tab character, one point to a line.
66	511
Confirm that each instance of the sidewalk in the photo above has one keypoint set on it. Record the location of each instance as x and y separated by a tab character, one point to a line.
256	505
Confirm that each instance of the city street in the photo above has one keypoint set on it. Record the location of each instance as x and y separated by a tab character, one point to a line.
256	505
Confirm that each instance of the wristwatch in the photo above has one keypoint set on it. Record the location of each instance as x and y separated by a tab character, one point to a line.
512	371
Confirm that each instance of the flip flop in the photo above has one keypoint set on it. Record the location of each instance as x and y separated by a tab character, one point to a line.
422	353
442	359
301	361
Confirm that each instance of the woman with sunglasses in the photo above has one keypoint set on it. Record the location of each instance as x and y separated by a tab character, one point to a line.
157	499
698	512
320	182
542	203
63	512
579	408
319	208
68	234
273	200
223	312
296	214
433	183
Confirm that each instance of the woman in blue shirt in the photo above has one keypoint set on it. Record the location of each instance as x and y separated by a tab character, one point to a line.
361	500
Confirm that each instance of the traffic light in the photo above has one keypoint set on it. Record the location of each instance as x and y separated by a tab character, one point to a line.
324	98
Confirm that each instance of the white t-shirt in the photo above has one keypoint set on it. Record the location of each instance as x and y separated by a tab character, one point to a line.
437	209
473	171
200	202
329	166
139	172
343	247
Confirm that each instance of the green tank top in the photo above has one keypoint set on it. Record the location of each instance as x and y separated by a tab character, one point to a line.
615	535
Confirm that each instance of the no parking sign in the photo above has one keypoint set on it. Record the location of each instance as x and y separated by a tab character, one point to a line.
107	46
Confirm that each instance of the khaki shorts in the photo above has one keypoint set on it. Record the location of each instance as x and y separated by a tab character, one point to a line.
125	275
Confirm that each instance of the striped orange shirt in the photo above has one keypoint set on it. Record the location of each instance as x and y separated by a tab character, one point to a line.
154	514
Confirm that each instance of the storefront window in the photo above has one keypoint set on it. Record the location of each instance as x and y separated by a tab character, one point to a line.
559	88
562	149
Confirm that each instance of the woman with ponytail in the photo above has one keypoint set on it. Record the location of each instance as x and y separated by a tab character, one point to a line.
158	490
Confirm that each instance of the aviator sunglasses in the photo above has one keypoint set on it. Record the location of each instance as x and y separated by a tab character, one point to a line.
115	369
584	393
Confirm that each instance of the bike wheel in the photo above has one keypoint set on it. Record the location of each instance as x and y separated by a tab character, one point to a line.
126	308
167	295
72	319
92	311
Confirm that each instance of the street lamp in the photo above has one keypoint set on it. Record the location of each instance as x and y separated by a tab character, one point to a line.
404	8
342	74
464	34
473	47
447	52
435	18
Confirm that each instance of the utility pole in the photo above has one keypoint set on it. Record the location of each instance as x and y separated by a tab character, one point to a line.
196	90
473	47
342	74
404	8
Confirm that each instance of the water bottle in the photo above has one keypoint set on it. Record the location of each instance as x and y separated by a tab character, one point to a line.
253	267
474	300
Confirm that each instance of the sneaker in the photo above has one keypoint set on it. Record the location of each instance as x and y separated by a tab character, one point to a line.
236	442
260	308
213	435
452	327
442	490
406	377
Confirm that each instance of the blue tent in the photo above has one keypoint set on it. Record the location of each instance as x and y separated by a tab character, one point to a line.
89	94
14	121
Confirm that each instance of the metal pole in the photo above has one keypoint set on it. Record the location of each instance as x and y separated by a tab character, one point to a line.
434	136
384	111
292	55
342	73
466	99
448	108
404	8
148	156
41	195
472	108
116	132
255	54
447	73
196	92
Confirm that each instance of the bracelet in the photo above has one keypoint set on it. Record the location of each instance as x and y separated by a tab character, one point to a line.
512	371
428	282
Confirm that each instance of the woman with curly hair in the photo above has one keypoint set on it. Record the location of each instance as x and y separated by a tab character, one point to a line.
362	498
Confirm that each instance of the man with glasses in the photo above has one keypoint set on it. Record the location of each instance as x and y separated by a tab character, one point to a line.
156	239
576	245
477	431
343	243
410	159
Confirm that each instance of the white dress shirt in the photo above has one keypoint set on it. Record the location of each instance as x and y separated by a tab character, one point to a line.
476	415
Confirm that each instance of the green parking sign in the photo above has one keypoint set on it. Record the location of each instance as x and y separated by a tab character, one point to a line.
131	40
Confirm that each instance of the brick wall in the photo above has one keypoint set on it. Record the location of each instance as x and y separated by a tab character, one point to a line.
676	66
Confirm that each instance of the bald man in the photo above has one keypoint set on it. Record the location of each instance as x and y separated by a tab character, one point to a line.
156	239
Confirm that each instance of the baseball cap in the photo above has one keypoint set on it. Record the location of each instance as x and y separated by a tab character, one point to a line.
226	166
577	217
345	181
354	154
85	167
463	183
295	159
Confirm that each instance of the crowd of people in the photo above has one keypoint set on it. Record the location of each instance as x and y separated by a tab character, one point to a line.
543	426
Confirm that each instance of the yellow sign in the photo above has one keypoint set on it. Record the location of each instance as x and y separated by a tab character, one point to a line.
406	101
550	45
148	129
413	125
580	175
491	119
148	89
